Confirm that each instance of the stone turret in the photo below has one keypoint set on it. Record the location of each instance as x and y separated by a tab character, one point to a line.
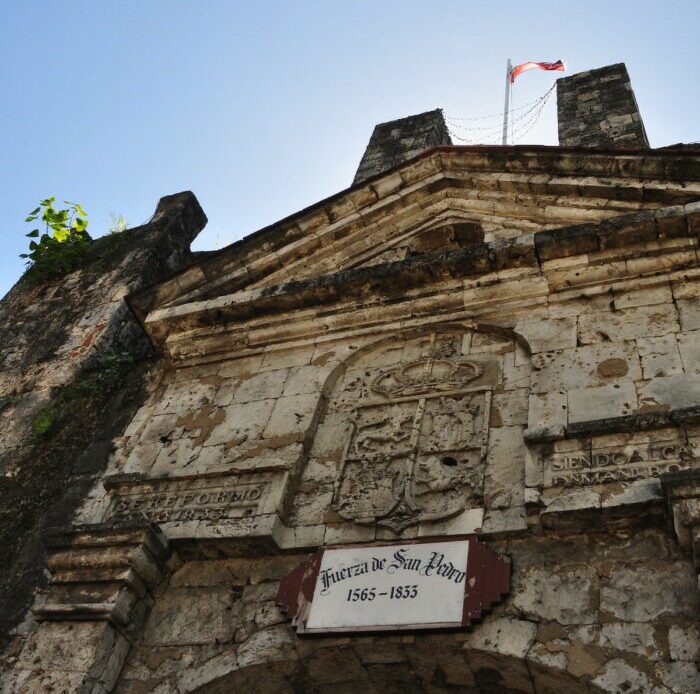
400	140
597	108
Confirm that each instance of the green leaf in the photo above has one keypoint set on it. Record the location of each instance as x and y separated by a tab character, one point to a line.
23	255
34	211
33	245
79	209
80	224
31	218
33	233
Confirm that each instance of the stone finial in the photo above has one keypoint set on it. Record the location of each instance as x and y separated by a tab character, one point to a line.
400	140
183	208
597	108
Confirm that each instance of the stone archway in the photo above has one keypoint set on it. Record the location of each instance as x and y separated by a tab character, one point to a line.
433	663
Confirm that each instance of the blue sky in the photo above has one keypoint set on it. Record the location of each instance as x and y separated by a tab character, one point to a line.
262	108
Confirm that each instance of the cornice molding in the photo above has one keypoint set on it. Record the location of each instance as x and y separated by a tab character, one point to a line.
653	177
581	257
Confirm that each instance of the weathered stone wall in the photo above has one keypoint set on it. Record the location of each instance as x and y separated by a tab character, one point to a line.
400	140
76	365
540	369
597	108
580	619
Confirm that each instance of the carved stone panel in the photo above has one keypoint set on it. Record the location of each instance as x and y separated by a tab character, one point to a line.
417	446
183	499
622	463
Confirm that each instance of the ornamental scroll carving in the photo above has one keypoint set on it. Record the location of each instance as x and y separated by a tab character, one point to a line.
417	444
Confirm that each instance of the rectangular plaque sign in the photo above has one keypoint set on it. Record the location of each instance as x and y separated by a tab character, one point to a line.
414	585
390	586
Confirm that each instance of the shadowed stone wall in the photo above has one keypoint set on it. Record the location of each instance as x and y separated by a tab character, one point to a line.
597	108
75	365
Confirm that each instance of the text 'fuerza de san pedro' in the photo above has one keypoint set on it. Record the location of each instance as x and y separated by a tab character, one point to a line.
436	564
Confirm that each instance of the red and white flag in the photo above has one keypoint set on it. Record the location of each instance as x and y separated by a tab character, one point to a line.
560	65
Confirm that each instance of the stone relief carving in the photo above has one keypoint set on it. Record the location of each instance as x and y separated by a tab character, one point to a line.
417	445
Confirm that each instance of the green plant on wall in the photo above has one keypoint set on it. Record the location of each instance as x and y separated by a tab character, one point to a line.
61	246
116	223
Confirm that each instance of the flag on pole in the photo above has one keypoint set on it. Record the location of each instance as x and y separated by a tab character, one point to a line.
560	65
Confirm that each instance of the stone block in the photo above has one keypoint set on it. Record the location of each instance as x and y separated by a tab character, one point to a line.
509	408
304	380
618	676
671	222
660	356
689	312
347	533
684	642
64	646
192	615
566	241
242	422
327	666
585	367
292	416
505	468
634	637
332	435
671	392
637	594
465	523
279	359
185	396
504	635
689	347
498	521
589	404
266	646
548	335
567	595
190	679
632	493
547	411
185	457
575	500
680	677
262	386
641	321
649	296
225	392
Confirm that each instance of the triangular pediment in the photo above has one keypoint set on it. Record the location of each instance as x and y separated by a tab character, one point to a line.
445	199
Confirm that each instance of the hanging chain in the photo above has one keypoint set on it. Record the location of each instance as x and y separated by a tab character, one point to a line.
528	115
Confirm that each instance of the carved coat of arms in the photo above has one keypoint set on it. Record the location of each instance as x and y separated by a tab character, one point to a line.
418	453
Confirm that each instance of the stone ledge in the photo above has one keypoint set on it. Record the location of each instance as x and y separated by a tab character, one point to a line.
392	279
116	567
614	425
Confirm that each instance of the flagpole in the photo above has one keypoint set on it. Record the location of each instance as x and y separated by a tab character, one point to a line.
505	109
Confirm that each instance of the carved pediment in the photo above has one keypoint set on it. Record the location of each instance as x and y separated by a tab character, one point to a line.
444	201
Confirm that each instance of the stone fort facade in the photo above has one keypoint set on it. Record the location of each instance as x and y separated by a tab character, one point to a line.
491	342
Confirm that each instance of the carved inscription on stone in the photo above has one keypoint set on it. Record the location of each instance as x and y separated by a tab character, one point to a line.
418	453
615	464
186	499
